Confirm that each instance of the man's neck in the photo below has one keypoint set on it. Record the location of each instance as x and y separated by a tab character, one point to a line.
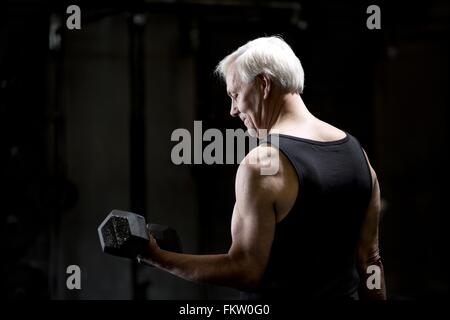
290	109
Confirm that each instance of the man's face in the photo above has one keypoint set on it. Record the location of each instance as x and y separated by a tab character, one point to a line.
246	102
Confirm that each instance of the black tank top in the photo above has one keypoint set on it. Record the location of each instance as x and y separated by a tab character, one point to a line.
314	249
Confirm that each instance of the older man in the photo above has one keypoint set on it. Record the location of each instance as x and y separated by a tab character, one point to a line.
311	229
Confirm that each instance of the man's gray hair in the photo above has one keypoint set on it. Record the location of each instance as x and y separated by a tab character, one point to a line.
270	56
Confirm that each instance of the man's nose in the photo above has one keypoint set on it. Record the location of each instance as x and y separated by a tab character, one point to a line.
234	111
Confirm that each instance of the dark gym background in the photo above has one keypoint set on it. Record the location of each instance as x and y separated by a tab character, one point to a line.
86	118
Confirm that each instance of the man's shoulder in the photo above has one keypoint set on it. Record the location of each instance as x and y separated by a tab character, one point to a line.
260	157
265	173
252	178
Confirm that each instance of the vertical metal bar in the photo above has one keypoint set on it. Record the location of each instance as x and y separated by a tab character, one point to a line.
56	156
136	26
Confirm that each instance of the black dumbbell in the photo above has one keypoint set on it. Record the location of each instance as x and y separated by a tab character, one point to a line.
125	234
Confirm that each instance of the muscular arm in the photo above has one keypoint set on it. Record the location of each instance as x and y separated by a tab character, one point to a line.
253	227
368	250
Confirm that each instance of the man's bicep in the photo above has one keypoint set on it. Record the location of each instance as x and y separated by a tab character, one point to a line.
253	224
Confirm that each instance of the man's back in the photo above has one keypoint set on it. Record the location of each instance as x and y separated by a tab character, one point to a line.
314	248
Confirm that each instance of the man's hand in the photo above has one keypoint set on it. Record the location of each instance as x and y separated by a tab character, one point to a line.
152	251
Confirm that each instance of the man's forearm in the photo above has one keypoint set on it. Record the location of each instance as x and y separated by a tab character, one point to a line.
219	269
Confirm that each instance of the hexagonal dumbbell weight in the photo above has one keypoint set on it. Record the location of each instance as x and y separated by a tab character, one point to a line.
125	234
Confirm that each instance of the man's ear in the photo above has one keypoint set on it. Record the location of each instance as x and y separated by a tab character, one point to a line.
265	85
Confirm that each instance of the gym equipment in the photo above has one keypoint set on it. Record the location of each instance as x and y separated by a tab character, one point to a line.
125	234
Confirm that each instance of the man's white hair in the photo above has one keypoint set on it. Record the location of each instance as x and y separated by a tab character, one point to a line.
271	56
